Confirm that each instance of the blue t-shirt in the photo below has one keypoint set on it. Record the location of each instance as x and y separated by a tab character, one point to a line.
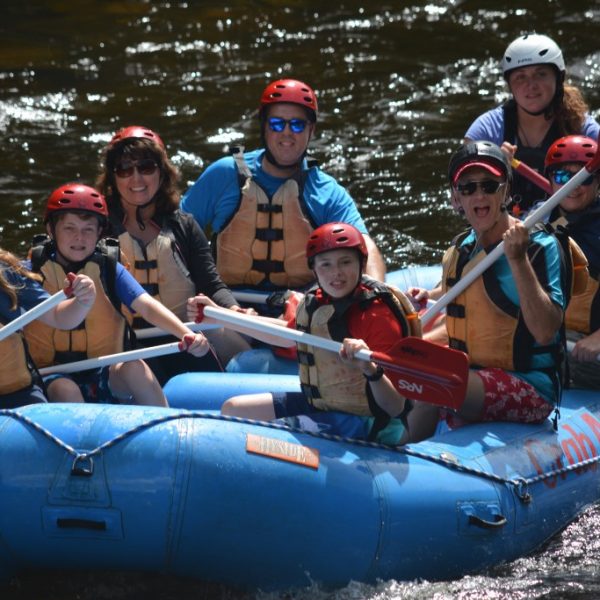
552	286
216	193
490	127
29	294
127	287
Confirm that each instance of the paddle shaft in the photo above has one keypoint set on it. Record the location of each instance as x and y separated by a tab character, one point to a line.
251	297
152	332
111	359
32	314
535	217
300	337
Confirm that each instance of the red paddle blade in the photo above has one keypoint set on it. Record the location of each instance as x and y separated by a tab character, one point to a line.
427	372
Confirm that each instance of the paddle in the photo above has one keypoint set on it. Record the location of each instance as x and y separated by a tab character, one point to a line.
536	216
531	174
111	359
251	297
37	311
151	332
431	373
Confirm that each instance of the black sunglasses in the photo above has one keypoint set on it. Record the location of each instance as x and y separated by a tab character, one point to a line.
145	166
487	186
278	124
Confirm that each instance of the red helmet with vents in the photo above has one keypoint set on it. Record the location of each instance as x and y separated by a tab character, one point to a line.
291	91
136	131
333	236
572	148
76	197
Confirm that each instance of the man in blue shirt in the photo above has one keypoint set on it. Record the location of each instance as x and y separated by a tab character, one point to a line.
263	205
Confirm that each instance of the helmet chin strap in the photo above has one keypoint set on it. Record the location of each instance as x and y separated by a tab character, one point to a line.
138	214
296	166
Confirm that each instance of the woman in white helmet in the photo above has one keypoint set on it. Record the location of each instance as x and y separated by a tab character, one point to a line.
542	109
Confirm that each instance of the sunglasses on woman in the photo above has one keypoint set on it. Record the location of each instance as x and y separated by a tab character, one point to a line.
277	124
561	176
144	166
487	186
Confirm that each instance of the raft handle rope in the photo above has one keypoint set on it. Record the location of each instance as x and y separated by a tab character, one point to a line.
83	461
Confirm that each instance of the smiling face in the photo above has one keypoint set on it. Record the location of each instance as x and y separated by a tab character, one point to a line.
483	210
75	235
286	146
338	271
533	87
583	195
139	185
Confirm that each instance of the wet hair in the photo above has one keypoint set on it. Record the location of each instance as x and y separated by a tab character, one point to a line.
570	112
9	261
168	194
84	215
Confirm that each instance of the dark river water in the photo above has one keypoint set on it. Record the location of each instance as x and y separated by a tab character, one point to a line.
398	83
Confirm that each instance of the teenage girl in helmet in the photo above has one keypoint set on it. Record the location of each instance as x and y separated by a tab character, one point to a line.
542	109
20	290
75	219
508	320
262	205
579	213
348	396
168	253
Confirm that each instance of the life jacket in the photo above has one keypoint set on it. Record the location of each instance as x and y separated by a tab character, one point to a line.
583	311
16	369
104	330
160	269
327	383
483	322
525	193
264	241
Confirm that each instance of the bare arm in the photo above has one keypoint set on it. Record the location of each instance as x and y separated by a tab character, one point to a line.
69	313
160	316
384	393
375	263
541	315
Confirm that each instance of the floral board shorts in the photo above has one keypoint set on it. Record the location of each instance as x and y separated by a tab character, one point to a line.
509	398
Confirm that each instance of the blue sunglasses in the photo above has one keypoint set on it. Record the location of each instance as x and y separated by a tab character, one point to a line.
277	124
561	176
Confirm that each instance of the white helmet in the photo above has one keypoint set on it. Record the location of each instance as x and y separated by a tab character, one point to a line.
532	49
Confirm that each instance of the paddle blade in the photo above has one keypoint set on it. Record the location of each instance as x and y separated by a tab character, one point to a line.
427	372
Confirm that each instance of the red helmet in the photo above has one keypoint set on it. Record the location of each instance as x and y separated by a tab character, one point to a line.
76	196
292	91
136	131
572	148
332	236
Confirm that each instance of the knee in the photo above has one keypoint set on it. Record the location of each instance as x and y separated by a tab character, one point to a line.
133	371
230	406
64	390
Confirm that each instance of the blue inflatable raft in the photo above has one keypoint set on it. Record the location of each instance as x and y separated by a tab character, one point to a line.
257	505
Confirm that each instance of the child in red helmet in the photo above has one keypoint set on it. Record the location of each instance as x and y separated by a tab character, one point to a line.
579	214
348	396
75	219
